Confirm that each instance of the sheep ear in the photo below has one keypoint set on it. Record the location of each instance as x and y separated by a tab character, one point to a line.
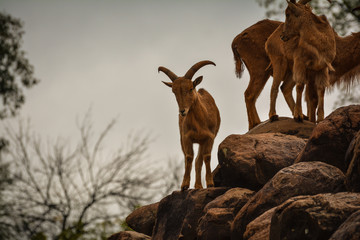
294	9
169	84
197	81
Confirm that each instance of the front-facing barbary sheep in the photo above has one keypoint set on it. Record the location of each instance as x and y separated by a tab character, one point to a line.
199	122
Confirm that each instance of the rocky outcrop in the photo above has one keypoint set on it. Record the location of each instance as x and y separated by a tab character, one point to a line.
142	220
179	213
313	217
218	214
350	229
330	139
128	235
305	200
286	126
352	158
298	179
249	161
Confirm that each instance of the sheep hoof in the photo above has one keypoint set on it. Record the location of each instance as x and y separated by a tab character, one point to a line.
306	118
184	188
274	118
210	185
298	119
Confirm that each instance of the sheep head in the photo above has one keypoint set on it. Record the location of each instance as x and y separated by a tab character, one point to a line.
298	14
184	87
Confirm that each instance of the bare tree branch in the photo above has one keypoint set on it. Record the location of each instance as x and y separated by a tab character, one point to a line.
68	189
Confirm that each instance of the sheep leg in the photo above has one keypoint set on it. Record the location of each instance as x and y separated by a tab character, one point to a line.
279	70
311	100
256	85
273	96
198	168
320	111
321	83
286	89
298	115
299	73
187	147
206	152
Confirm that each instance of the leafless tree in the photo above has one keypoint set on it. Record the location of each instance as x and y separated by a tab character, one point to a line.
61	192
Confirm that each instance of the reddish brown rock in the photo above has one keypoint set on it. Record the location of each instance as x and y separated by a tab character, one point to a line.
142	220
350	229
313	217
219	214
215	224
128	235
331	137
352	159
286	126
234	198
298	179
249	161
260	227
179	213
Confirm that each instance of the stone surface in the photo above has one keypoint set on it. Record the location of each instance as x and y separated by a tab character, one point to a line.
219	214
128	235
179	213
142	220
260	227
286	126
352	158
313	217
330	139
234	198
249	161
350	229
298	179
215	224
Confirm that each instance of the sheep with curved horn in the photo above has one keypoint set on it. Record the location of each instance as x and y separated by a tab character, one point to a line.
199	122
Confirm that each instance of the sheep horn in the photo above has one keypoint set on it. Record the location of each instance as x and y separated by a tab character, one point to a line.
190	73
304	2
355	9
169	73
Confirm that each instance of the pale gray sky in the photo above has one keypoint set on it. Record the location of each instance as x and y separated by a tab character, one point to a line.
105	55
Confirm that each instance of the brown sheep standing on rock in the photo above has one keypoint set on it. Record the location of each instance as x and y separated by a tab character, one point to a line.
312	54
199	122
249	49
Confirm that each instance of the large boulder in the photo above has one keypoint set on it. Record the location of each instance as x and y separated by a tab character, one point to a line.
298	179
142	220
219	214
352	158
250	160
313	217
128	235
234	199
179	213
260	227
350	229
330	139
286	126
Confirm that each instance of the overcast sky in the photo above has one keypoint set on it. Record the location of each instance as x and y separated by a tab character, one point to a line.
104	55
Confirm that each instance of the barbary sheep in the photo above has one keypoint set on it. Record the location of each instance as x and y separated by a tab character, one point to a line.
199	122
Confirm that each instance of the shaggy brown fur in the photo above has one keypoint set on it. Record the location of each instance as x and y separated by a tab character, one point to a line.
308	53
199	122
346	64
249	48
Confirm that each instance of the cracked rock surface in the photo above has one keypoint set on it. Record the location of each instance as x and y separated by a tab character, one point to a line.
330	139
